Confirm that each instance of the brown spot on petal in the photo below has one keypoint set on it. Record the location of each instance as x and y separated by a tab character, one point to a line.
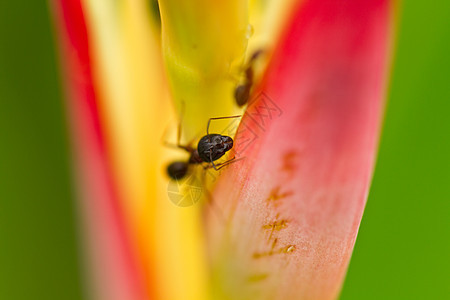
257	277
277	225
289	162
275	195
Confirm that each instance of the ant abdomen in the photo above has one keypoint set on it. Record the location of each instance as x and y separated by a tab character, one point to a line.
242	94
177	170
243	91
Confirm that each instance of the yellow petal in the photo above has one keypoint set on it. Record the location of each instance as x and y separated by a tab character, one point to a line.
268	18
204	45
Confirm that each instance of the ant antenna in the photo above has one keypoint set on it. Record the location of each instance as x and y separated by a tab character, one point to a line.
183	107
219	118
212	162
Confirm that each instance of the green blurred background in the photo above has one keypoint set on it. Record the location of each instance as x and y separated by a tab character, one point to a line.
403	248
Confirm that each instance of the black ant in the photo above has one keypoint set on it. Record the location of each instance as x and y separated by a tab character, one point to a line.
210	148
242	91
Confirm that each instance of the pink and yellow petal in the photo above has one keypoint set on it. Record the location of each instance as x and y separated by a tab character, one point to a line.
113	269
137	106
297	199
133	108
295	203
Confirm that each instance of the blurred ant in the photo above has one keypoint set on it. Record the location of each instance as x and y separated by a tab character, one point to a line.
210	148
242	91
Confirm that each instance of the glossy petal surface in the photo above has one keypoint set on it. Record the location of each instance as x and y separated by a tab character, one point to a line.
309	141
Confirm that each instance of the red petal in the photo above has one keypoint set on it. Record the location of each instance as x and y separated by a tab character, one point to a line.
115	273
309	141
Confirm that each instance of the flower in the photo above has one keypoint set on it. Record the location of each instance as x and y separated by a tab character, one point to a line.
292	201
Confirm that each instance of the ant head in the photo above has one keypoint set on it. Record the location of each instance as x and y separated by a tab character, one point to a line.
177	170
227	142
213	146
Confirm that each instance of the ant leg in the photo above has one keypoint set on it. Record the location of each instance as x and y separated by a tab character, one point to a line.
219	118
256	55
166	143
228	162
179	123
188	148
209	199
178	145
224	164
233	78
